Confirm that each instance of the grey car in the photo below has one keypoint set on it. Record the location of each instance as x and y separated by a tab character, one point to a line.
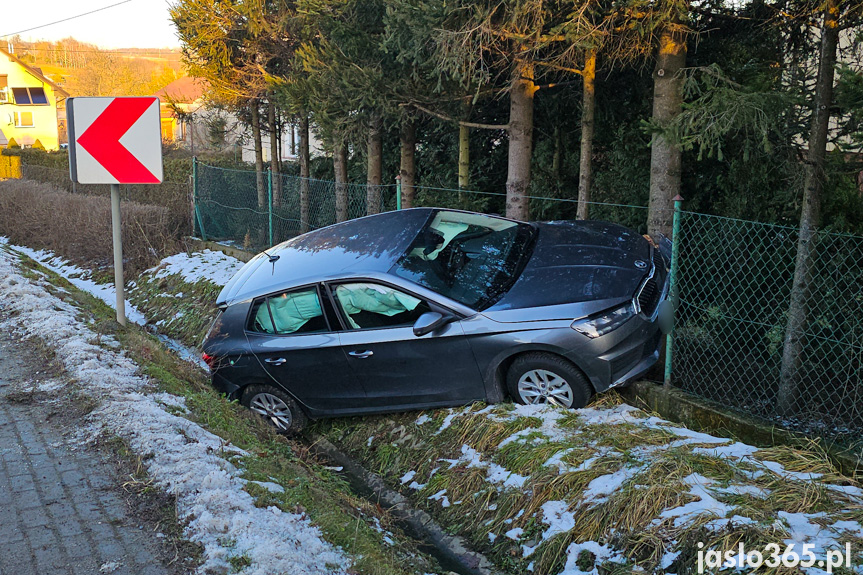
427	307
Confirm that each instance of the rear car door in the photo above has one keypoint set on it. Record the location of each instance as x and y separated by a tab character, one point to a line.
289	334
397	368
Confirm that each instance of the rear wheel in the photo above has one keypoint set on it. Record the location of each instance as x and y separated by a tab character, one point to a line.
276	406
543	378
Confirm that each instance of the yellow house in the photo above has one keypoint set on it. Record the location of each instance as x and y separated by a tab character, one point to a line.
29	104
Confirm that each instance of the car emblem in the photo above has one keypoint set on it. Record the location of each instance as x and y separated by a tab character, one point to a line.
640	264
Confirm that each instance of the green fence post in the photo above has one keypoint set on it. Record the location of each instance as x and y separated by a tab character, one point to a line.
398	192
672	285
270	202
195	198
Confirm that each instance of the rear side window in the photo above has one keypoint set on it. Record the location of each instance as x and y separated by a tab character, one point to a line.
288	313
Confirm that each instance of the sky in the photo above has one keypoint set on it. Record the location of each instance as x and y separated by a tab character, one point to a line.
134	24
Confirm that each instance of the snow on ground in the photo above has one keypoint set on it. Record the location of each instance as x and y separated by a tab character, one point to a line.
209	265
182	457
601	553
78	277
496	473
704	504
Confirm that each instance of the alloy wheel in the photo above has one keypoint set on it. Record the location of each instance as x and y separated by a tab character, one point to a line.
272	408
542	386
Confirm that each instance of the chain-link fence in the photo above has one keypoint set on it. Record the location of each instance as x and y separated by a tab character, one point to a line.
734	280
236	207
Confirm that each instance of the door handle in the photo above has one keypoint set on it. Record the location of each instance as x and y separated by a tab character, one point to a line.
277	361
361	354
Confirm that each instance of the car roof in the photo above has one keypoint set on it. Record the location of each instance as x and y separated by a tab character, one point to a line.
371	244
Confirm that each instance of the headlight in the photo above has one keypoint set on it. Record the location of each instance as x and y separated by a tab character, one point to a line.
604	322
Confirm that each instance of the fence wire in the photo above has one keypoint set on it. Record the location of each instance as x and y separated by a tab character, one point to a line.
734	282
234	207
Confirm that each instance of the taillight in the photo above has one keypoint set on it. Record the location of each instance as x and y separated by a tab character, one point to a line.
210	360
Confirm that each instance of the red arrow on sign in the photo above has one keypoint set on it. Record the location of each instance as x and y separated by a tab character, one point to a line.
102	140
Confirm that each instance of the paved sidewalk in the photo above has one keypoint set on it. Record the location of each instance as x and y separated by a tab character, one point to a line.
61	511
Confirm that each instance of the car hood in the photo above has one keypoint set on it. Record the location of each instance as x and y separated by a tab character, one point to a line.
575	262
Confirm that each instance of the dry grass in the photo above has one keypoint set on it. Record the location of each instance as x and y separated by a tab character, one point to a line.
78	227
629	520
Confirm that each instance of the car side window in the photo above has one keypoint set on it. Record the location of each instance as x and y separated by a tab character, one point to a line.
370	306
288	313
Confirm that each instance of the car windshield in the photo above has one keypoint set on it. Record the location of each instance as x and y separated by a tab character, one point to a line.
470	258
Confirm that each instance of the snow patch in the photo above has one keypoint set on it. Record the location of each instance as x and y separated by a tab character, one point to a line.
213	266
181	457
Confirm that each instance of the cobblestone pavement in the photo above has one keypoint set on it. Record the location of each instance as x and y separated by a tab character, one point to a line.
61	509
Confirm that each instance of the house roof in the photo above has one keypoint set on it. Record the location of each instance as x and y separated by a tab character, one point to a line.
35	72
185	90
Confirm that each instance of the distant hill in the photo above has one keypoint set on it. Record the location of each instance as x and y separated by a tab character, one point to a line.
87	70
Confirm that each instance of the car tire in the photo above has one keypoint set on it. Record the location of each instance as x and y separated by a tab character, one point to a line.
276	406
544	378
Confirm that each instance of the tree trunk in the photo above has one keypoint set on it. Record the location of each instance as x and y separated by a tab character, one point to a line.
665	163
340	164
588	109
407	171
520	142
463	157
813	184
259	157
293	140
305	200
375	168
274	155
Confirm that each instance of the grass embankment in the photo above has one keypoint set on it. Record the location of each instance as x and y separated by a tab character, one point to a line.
363	530
608	488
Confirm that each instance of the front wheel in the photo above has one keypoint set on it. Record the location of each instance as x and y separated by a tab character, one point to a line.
543	378
276	406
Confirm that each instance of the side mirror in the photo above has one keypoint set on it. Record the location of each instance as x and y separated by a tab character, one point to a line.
429	322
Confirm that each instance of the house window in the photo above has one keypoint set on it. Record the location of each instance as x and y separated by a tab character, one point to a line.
24	119
4	90
30	96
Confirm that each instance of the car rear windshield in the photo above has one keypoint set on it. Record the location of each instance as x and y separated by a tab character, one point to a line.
470	258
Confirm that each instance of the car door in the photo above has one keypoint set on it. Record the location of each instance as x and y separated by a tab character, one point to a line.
289	334
397	368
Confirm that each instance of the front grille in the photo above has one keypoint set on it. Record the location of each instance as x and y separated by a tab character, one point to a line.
648	299
658	261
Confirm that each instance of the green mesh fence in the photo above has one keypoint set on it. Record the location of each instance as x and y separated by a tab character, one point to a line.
734	282
232	208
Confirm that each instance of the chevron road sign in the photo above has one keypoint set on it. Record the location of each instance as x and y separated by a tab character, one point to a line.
114	140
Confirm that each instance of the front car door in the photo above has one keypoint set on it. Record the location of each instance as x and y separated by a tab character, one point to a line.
397	368
289	334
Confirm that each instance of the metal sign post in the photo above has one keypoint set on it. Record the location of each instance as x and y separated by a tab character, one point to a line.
115	141
119	284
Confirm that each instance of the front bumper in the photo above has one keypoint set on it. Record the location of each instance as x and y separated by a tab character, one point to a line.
630	350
